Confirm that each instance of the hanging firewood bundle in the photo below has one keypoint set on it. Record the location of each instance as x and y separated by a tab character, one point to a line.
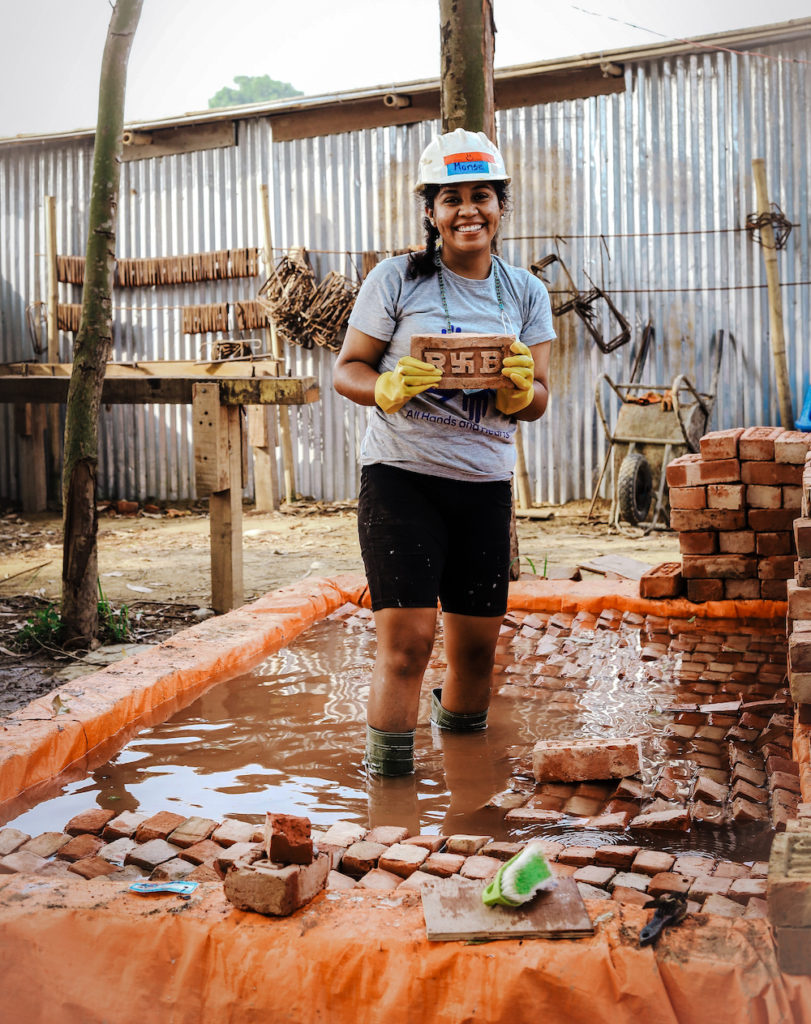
205	319
286	296
140	272
328	312
70	269
249	315
68	315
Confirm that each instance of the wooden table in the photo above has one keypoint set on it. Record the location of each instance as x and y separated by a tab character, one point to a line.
216	391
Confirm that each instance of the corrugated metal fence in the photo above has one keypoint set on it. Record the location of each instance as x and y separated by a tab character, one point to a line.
644	191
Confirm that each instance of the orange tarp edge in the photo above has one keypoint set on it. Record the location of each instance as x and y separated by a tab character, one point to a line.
97	952
37	742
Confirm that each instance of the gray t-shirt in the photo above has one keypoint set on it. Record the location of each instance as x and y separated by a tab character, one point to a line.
446	433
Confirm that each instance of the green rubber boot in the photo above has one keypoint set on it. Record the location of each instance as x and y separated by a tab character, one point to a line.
389	753
455	721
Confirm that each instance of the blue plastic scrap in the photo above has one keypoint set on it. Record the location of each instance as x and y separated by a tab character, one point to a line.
182	889
804	422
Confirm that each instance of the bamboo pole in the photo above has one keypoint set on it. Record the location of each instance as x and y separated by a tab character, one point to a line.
776	336
288	467
52	333
523	492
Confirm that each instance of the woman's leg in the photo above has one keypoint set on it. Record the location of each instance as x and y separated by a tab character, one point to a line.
405	638
470	649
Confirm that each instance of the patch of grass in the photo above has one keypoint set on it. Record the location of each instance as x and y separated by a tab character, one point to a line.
46	629
114	626
43	629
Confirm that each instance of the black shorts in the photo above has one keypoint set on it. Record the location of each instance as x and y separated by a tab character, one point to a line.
426	537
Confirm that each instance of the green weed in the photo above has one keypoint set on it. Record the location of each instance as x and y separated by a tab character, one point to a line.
46	629
114	626
43	629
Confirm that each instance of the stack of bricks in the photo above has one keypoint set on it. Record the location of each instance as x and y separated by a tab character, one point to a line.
799	610
733	506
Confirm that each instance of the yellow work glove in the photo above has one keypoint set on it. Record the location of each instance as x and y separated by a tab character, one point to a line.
520	369
408	378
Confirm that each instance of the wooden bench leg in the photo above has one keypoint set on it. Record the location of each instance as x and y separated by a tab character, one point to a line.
218	471
30	427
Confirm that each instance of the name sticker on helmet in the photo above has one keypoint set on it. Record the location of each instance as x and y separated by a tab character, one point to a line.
468	163
469	167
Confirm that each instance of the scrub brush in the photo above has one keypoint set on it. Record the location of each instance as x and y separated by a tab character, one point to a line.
521	878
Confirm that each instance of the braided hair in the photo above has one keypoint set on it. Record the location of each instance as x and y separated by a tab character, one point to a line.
423	262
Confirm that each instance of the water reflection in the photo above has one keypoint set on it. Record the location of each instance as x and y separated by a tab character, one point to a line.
289	737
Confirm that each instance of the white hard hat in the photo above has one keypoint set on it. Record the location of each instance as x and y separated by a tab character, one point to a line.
460	156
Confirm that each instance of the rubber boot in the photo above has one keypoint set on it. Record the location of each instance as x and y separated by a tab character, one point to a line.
389	753
455	721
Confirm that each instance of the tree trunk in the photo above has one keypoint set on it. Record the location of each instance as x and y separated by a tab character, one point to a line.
467	34
94	339
467	40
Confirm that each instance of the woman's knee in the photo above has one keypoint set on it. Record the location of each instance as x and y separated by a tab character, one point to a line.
406	654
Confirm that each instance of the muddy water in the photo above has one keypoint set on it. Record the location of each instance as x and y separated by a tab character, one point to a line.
288	737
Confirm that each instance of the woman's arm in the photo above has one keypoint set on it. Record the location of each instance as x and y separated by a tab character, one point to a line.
537	407
355	373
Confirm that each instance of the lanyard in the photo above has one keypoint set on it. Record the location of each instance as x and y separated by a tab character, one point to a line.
450	328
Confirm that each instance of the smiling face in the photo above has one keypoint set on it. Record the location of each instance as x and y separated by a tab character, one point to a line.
467	217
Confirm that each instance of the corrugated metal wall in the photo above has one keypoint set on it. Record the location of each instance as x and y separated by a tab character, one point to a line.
641	188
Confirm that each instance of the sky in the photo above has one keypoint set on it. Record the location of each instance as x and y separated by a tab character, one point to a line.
185	50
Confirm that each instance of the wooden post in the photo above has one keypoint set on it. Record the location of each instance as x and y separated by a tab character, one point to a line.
467	100
218	474
288	466
467	35
52	335
29	420
523	491
262	438
776	336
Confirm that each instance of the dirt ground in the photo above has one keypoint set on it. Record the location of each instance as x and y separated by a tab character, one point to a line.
158	565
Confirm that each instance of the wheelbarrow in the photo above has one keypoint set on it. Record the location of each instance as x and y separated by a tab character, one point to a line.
655	424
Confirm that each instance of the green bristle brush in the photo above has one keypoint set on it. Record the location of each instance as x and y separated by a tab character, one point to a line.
520	879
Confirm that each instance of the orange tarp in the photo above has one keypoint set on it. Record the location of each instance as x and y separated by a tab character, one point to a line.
95	952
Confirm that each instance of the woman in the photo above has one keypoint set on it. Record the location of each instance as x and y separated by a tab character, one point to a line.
435	498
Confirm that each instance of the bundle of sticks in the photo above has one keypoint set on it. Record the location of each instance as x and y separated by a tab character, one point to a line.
306	314
327	314
200	266
250	315
286	295
70	269
205	319
68	315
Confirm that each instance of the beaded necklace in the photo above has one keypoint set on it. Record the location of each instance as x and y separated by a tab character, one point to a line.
450	328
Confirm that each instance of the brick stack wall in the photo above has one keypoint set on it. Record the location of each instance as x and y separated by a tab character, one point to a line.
733	505
799	606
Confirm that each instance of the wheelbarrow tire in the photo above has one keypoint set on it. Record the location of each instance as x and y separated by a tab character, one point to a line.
635	488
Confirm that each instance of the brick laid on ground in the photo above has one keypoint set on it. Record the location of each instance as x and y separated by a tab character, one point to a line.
81	846
11	839
92	867
150	854
92	820
403	860
46	844
27	863
159	826
193	830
